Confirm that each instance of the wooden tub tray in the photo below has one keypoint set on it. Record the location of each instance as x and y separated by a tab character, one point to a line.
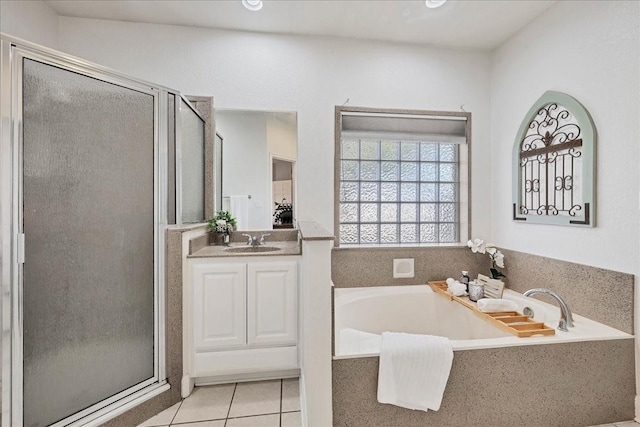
509	321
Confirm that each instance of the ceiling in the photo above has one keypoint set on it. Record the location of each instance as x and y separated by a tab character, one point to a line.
466	24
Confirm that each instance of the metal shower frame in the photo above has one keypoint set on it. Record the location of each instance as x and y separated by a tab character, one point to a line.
12	52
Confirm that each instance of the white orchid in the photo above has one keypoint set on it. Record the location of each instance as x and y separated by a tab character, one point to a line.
497	257
477	245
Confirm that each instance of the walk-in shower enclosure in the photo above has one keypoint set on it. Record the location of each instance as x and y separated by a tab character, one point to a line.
90	177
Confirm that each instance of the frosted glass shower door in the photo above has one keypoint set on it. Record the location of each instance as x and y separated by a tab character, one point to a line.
89	221
192	175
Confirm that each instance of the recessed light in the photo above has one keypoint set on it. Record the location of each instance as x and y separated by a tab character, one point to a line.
253	5
432	4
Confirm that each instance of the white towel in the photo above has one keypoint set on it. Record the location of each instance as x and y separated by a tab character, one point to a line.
490	305
414	370
239	207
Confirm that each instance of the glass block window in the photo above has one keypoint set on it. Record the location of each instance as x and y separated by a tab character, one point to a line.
399	188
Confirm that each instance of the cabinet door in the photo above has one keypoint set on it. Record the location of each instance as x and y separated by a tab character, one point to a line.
219	306
272	303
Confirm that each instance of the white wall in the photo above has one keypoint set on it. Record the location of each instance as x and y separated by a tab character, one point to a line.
309	75
282	137
282	142
32	20
246	165
591	51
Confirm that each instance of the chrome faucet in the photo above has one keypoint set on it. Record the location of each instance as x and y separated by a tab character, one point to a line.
254	241
566	319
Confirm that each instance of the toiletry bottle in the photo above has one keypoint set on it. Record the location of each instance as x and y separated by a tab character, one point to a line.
464	279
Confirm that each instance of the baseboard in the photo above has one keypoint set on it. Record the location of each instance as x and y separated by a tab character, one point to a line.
187	386
303	400
230	362
252	376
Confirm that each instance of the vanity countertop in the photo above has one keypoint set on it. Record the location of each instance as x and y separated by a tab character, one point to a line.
286	248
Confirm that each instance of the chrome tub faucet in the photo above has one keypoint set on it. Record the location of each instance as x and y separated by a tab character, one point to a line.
566	319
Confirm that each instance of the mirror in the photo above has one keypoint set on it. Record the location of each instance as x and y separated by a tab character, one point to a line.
258	168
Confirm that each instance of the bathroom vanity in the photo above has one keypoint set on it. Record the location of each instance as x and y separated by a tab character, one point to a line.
241	312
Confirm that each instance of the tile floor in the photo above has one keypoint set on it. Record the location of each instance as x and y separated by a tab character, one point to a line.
255	404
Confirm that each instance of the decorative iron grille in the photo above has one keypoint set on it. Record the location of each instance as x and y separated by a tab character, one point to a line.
551	165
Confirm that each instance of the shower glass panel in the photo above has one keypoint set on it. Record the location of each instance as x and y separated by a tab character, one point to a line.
217	161
171	184
88	219
192	176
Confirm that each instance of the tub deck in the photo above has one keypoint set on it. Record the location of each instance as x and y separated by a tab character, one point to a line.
363	340
578	378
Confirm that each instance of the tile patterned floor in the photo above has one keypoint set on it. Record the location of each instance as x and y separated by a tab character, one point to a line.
255	404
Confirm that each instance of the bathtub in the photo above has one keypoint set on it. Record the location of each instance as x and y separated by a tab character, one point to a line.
582	377
362	314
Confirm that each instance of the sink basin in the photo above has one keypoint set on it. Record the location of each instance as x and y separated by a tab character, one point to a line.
252	249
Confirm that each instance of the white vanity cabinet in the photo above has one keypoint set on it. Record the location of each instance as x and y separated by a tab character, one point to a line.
219	306
271	303
245	315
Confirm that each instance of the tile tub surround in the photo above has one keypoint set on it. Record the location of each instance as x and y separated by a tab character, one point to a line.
173	336
357	267
602	295
573	384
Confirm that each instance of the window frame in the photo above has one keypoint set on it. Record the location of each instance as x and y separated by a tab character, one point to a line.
342	110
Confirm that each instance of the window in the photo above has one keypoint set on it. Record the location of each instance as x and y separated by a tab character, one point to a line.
403	177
